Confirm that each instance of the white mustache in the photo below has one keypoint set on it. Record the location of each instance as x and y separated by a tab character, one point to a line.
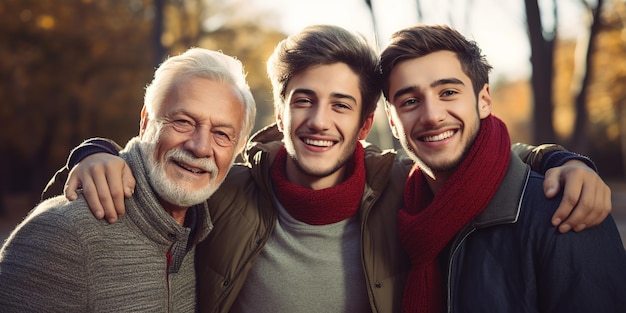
179	155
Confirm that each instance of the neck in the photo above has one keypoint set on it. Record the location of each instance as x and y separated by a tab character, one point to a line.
176	212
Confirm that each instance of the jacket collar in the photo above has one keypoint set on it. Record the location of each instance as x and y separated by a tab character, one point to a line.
268	139
506	203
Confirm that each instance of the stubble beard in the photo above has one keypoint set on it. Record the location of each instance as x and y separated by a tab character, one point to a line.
445	166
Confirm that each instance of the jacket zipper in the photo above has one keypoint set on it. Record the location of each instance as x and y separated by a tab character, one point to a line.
455	248
453	251
372	198
254	254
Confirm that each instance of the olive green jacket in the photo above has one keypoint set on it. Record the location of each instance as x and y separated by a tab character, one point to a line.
244	213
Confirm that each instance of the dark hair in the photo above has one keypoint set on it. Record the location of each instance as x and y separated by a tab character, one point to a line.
325	45
420	40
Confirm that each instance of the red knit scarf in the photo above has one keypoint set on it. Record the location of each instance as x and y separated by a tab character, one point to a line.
427	223
324	206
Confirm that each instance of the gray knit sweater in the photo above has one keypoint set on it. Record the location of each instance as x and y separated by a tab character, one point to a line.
61	259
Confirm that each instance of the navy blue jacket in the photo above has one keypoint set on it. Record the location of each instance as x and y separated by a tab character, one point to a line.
511	259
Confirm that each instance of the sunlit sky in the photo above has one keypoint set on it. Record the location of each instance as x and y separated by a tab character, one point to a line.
499	26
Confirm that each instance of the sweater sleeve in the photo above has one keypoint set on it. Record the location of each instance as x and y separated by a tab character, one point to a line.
546	156
42	266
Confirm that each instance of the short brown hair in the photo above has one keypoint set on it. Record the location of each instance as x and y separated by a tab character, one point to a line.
325	45
420	40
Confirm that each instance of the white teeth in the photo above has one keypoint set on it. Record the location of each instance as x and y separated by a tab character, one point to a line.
193	170
321	143
439	137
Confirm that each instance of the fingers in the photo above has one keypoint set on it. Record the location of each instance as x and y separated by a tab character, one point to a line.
82	175
128	181
586	199
552	182
574	208
120	189
92	195
100	176
71	186
107	191
594	206
552	185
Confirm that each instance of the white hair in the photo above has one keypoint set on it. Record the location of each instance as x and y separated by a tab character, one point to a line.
202	63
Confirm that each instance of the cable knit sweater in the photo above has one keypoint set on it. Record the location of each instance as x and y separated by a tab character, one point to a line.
61	259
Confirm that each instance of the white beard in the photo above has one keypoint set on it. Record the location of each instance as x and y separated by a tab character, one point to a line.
163	185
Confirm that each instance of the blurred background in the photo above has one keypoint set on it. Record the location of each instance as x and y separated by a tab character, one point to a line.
75	69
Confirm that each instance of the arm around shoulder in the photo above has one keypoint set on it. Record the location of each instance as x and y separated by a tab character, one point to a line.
546	156
88	147
587	198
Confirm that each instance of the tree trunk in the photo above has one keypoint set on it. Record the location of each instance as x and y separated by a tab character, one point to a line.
580	139
542	52
157	32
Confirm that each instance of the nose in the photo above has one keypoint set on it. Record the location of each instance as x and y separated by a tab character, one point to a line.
432	112
320	117
200	143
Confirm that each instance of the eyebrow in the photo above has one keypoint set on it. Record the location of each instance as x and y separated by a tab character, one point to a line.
335	95
220	124
439	82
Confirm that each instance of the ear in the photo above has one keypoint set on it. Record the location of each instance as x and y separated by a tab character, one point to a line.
484	102
241	145
367	126
279	110
279	121
392	124
144	121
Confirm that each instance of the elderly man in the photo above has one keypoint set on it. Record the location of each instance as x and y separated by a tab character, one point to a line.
197	114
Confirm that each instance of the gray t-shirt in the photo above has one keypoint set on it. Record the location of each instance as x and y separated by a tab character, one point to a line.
307	268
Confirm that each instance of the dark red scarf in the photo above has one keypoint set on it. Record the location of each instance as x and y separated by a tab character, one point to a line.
428	222
324	206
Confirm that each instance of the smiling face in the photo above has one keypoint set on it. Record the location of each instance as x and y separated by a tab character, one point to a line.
321	124
434	110
193	139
